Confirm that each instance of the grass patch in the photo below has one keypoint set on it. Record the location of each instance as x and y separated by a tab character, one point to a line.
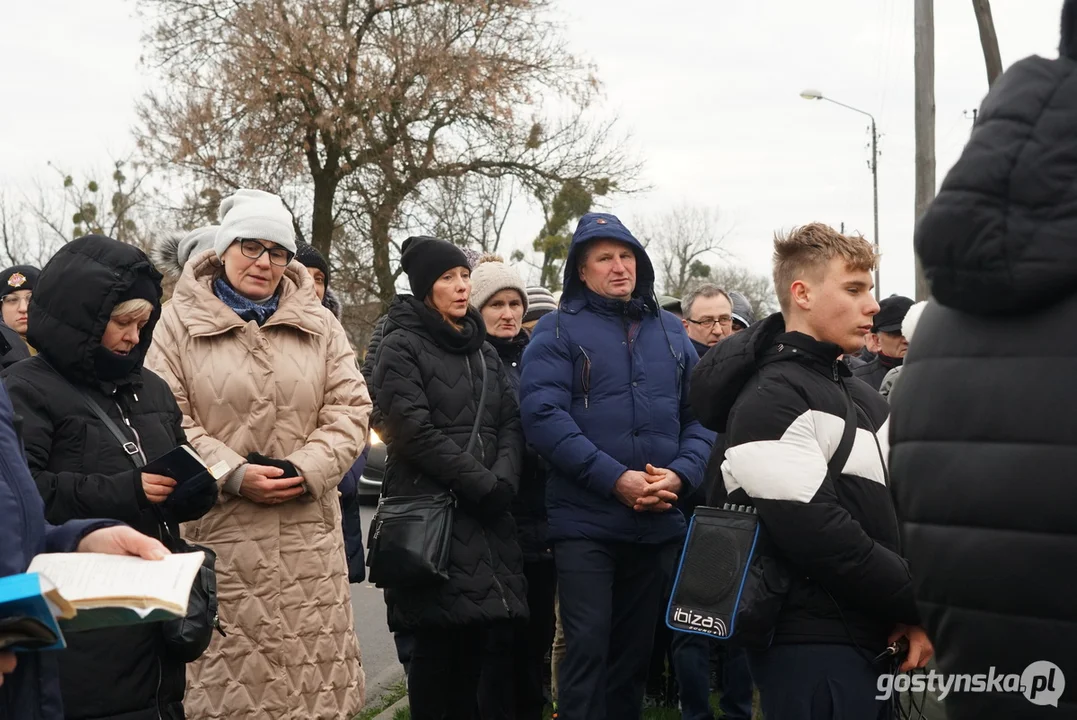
390	696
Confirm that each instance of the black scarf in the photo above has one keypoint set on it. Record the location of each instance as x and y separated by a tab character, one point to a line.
510	349
464	341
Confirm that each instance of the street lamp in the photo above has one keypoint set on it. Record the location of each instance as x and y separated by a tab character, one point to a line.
816	95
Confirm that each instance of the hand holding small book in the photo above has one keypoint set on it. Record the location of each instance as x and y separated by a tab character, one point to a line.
157	487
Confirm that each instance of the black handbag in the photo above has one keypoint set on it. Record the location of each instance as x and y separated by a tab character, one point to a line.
185	638
410	536
731	582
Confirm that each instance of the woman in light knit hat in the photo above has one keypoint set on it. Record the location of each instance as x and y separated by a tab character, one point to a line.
500	296
267	382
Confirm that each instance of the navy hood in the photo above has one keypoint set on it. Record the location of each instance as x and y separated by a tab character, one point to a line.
603	226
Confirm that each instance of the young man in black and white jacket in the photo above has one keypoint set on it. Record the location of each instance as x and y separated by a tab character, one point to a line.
779	392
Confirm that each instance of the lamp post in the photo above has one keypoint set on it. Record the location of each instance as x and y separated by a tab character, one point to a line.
816	95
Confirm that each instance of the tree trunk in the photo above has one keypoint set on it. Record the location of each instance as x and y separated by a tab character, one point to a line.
924	112
380	224
988	39
322	221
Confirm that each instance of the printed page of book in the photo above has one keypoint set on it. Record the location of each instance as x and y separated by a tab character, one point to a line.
90	580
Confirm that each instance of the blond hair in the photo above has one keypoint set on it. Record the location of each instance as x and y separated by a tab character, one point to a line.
134	306
808	249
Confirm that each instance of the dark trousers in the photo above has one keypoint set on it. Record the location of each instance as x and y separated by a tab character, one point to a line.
816	682
446	664
609	595
533	640
405	643
691	662
510	685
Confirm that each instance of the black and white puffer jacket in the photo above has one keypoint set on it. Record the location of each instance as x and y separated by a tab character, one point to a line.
779	398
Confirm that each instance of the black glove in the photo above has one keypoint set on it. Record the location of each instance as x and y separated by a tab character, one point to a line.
497	501
260	459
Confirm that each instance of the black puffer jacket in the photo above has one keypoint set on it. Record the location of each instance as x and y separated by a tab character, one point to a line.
780	399
529	507
426	386
12	347
983	446
81	469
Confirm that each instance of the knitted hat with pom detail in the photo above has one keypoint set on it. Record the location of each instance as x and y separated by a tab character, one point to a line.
490	277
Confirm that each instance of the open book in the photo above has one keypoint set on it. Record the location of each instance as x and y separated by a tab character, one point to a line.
86	591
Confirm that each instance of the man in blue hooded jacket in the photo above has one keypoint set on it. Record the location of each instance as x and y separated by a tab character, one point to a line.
604	399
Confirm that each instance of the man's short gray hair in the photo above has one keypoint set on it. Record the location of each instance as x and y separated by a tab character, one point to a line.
703	291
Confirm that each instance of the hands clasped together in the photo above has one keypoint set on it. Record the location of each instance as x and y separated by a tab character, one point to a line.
652	491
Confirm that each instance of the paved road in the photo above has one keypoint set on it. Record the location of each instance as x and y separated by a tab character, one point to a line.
375	640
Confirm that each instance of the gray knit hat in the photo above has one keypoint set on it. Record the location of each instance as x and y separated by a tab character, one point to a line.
539	302
491	276
742	309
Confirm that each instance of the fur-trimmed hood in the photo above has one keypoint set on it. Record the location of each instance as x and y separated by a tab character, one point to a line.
332	303
171	251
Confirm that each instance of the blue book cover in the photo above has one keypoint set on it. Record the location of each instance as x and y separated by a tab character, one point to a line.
29	607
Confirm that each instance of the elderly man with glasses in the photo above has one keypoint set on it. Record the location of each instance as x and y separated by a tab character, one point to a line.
708	317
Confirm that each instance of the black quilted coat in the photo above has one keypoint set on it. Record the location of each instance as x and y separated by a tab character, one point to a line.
982	433
426	385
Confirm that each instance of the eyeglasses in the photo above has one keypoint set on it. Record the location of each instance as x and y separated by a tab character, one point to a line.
16	301
254	250
708	323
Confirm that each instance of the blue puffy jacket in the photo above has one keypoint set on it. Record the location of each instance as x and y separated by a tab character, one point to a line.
32	692
351	522
604	390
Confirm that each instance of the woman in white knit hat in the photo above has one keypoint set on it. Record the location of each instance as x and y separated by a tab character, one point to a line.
268	383
514	684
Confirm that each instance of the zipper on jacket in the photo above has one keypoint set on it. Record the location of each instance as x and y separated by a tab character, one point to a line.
160	680
493	573
585	377
138	440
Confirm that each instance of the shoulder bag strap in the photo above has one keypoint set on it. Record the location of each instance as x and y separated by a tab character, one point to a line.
848	436
480	406
130	447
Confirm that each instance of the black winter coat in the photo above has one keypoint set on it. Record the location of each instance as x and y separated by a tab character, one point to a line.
529	507
12	347
426	385
873	371
779	398
82	471
983	440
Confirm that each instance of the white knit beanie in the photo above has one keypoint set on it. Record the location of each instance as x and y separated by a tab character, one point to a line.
254	214
490	277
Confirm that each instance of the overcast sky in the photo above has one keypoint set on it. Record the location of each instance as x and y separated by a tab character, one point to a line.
709	90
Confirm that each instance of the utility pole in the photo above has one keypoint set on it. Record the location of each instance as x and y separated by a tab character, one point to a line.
988	39
875	198
924	61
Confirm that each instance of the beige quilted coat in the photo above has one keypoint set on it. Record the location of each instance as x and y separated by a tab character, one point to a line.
290	389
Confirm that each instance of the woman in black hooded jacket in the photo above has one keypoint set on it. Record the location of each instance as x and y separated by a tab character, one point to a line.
426	387
91	320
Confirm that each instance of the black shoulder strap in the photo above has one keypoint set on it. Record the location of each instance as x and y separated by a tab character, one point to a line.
130	448
848	437
480	406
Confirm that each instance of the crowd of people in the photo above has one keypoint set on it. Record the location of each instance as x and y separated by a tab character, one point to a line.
574	434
